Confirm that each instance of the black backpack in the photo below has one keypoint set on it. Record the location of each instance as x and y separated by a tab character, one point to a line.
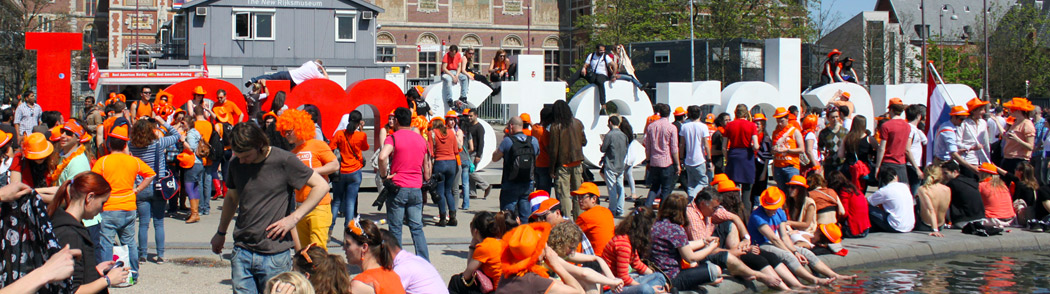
217	147
524	159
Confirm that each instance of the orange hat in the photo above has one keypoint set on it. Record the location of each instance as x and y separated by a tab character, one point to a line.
523	246
162	93
56	133
37	147
781	112
5	138
199	90
222	114
544	206
727	186
437	118
586	188
186	160
798	180
832	232
718	178
710	118
975	103
772	198
420	89
120	132
989	167
810	122
525	118
1019	104
845	95
895	101
451	113
122	98
173	113
270	114
960	111
759	117
467	111
834	52
679	111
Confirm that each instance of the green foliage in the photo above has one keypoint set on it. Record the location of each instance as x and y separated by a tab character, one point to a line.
627	21
1018	53
959	64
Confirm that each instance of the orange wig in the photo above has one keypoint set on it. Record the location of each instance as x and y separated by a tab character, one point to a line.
298	121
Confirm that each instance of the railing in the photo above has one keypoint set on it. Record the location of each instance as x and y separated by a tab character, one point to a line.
488	111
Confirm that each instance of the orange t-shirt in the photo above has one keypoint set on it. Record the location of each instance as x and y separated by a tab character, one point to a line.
651	119
785	159
542	159
119	170
231	108
443	147
144	109
598	224
107	125
350	149
384	281
205	128
314	154
489	253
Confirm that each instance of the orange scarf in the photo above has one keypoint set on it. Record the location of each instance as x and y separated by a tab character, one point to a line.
62	166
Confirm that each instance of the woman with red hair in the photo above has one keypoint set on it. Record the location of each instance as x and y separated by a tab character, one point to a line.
297	127
78	199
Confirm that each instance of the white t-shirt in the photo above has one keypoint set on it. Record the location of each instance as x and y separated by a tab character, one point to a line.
970	134
897	200
918	140
305	72
993	131
694	136
811	138
599	64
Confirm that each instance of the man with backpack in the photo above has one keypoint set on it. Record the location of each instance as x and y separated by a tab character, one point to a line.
519	154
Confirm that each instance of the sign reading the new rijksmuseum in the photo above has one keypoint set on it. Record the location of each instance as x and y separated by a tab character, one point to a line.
286	3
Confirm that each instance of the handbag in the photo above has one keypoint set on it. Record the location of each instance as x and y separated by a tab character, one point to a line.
390	189
165	182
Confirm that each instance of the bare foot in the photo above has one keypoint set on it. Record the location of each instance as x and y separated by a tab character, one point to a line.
845	277
825	282
936	234
771	282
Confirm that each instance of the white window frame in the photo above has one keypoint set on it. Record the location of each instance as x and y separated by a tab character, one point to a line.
253	21
344	13
662	56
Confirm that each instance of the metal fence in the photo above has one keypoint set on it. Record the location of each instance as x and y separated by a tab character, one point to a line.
488	111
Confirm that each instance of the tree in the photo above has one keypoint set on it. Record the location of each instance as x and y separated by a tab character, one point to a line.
1018	53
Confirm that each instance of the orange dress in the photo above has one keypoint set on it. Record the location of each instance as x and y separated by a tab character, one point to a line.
785	137
384	281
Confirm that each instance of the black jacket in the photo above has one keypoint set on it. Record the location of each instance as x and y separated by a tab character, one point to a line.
70	231
966	204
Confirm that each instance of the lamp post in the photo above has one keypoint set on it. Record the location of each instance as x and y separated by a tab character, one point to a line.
986	92
692	43
940	23
922	35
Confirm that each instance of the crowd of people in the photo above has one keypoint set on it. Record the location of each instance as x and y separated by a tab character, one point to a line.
92	185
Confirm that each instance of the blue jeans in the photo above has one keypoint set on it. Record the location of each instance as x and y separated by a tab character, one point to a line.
281	75
646	284
251	270
446	86
408	201
346	189
151	208
120	225
514	196
464	174
696	179
614	183
661	181
446	201
783	175
95	232
210	172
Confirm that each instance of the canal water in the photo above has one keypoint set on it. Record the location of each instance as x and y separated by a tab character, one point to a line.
1014	272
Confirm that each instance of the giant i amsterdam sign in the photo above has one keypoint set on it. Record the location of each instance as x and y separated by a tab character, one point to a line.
529	94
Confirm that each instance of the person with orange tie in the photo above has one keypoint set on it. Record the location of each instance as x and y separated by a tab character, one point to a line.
298	127
119	213
787	146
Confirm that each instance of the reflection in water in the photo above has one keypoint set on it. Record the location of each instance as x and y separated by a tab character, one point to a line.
1024	272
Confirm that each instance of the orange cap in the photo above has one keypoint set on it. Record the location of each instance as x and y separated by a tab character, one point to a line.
975	103
270	114
759	117
845	95
186	160
781	112
437	118
120	132
772	198
525	118
989	167
5	138
587	188
523	246
960	111
679	111
798	180
727	186
222	114
545	206
895	101
451	113
718	178
37	147
199	90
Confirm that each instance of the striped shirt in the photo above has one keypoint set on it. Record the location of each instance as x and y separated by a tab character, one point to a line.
26	117
149	153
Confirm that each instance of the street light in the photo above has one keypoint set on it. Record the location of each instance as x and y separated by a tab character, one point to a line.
940	23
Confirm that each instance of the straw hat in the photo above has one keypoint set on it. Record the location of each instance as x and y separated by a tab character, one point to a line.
37	147
523	246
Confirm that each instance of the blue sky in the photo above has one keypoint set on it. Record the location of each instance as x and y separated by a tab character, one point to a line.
845	9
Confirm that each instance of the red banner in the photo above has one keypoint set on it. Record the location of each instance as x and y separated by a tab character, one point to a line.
93	72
